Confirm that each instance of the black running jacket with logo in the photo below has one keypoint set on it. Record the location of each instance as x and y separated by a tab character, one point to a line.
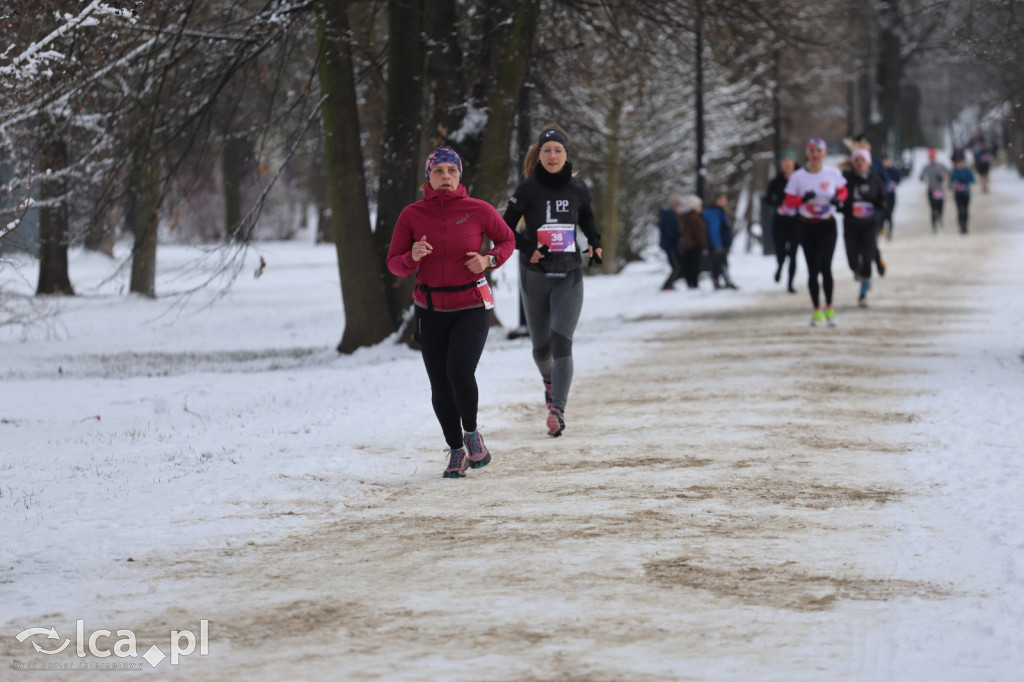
552	205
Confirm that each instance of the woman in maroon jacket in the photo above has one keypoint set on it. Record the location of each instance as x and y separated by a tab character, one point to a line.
439	238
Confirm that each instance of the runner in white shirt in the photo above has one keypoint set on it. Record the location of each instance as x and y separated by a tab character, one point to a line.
817	191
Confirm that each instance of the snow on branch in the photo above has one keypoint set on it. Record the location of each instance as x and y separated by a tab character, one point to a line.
35	58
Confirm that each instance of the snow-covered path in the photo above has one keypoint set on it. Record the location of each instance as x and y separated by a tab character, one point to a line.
742	498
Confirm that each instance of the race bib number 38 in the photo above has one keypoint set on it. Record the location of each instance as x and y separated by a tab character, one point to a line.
557	237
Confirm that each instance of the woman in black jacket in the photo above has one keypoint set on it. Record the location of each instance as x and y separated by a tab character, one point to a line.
785	223
862	212
552	203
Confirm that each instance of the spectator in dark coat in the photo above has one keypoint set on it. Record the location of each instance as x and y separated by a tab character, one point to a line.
694	239
668	227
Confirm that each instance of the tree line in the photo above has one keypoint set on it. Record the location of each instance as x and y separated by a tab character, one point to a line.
228	120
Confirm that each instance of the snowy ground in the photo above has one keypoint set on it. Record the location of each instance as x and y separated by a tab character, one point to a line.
737	496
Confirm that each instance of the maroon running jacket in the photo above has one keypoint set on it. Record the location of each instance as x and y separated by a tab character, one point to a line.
454	224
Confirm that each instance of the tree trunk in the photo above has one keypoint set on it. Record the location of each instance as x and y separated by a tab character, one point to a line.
609	201
491	182
444	71
53	224
367	321
401	171
888	86
146	207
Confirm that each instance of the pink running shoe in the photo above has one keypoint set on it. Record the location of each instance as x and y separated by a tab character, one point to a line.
457	463
556	422
479	456
547	395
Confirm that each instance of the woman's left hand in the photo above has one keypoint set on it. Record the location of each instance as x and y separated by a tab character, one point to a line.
477	263
592	251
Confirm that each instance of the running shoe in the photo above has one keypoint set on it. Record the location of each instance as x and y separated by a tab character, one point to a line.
547	395
830	316
556	422
817	318
457	463
862	301
479	456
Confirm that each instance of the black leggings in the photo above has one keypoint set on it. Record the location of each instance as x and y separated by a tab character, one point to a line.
963	199
452	343
691	266
675	262
786	234
818	240
887	216
860	238
936	205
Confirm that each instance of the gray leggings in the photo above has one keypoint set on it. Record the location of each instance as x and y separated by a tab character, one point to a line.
552	306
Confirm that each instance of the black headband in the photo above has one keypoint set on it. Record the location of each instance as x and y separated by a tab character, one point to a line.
553	135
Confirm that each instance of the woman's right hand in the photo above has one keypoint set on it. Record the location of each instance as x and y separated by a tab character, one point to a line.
537	256
421	249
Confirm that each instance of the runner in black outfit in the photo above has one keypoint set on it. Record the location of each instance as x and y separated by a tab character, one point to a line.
862	211
785	224
552	203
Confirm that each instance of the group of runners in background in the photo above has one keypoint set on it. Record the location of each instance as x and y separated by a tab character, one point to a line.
807	199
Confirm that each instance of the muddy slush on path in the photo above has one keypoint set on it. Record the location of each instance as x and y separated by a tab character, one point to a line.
729	505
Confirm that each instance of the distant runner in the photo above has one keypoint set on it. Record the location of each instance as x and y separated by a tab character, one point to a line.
785	223
934	176
816	191
862	211
960	180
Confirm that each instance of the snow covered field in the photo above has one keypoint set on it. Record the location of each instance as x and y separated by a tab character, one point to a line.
737	496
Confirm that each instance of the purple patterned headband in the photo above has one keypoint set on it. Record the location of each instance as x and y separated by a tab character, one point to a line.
442	155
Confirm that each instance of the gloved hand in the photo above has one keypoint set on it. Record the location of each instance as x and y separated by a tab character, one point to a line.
808	195
836	201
